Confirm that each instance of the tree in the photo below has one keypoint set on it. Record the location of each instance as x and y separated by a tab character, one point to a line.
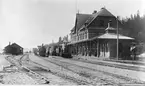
60	40
135	26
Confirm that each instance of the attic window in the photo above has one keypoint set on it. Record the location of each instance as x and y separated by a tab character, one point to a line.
101	24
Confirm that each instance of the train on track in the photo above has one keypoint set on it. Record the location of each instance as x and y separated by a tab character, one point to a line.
54	50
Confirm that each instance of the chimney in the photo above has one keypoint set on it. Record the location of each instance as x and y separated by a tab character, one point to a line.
107	30
95	11
103	8
109	23
9	43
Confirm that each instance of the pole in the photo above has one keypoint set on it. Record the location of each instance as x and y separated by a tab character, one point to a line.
117	39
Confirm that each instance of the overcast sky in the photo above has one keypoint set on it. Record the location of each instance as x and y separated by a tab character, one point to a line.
33	22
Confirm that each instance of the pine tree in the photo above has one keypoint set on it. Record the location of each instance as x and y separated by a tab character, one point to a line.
60	40
135	26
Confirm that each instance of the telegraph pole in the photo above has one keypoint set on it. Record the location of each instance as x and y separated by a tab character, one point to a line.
117	40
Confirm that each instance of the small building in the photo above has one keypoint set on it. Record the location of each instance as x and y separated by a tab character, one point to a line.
13	49
96	35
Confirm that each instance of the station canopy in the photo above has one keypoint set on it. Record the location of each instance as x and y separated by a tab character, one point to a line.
113	36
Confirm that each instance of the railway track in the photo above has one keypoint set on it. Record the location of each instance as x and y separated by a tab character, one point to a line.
84	80
67	64
41	77
84	74
61	75
37	74
113	65
64	76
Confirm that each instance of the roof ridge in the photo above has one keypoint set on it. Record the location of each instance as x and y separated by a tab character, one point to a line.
98	13
93	16
83	14
81	17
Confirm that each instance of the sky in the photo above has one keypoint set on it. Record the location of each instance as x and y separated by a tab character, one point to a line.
33	22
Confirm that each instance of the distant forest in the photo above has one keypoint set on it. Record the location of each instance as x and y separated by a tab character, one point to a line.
134	26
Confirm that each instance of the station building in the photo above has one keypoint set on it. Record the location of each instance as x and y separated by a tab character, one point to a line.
96	35
13	49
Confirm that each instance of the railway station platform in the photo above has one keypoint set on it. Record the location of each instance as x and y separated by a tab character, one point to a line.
114	61
123	64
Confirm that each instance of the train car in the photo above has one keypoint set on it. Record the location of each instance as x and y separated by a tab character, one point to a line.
62	51
42	51
55	50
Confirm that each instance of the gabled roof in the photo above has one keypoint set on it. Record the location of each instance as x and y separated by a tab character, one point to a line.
102	12
7	46
88	18
81	19
14	44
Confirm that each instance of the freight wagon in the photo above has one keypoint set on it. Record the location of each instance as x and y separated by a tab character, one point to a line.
55	50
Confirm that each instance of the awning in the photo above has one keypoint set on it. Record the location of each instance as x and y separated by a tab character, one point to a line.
78	41
105	36
113	36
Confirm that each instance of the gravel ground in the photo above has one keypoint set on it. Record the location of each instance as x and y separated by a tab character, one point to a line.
11	75
61	74
120	62
138	75
52	77
66	74
94	75
58	75
80	75
69	76
17	78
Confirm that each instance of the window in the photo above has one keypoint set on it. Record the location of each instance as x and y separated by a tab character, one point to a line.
85	35
79	36
101	24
